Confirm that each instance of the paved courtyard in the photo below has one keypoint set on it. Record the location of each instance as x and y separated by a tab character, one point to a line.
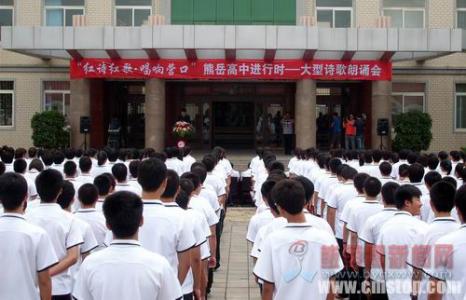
234	279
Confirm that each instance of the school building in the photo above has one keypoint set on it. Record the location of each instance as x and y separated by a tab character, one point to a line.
234	65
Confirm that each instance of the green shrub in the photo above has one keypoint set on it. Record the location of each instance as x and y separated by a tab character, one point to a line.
413	131
48	130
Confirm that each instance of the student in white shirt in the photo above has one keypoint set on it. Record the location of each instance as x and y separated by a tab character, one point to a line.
63	231
217	183
403	174
133	173
263	218
442	196
403	155
207	191
326	185
430	179
188	160
397	240
104	188
35	167
88	196
125	270
291	263
191	286
26	250
447	279
7	155
85	167
103	166
445	168
20	167
70	172
163	232
174	161
385	169
120	173
416	175
369	234
433	163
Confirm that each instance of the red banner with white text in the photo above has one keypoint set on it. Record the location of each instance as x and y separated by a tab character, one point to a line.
222	69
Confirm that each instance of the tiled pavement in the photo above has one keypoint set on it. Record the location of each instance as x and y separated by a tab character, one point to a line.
234	279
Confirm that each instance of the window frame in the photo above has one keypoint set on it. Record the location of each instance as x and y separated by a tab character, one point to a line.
133	9
64	8
458	10
334	9
405	9
412	94
12	7
61	92
455	108
13	104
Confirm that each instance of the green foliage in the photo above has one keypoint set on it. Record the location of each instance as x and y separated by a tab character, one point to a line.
413	131
48	130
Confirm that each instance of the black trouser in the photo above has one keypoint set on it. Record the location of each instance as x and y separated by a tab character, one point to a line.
188	296
62	297
288	141
218	232
379	292
346	275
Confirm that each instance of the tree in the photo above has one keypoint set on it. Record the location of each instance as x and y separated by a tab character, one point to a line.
413	131
48	130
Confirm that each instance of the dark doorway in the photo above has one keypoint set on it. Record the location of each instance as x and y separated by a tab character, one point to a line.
233	124
125	101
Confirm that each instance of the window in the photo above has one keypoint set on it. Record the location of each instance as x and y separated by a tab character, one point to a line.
57	96
405	14
461	14
334	13
7	95
132	12
61	12
460	107
408	97
6	12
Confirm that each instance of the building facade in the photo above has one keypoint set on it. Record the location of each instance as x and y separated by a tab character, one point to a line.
420	40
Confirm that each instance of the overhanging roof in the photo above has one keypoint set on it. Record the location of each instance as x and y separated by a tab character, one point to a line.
232	42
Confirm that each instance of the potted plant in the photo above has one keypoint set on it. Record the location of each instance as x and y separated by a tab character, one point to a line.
49	130
412	131
182	131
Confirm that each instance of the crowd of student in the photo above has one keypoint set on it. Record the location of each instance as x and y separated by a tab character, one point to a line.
110	225
372	224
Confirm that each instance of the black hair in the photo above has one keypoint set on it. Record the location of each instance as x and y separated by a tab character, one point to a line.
359	180
432	162
88	194
67	195
186	185
455	155
412	157
385	168
442	196
403	154
423	160
209	162
151	174
200	171
415	173
32	152
193	177
446	166
13	190
2	167
49	184
160	156
173	184
186	150
103	184
120	172
403	170
372	186
450	180
101	158
182	199
459	170
36	164
112	155
111	178
266	191
20	153
388	192
431	178
69	168
442	155
377	155
69	153
276	165
7	155
395	158
20	165
406	193
308	187
47	158
58	157
460	201
349	173
85	164
133	168
123	213
289	195
333	164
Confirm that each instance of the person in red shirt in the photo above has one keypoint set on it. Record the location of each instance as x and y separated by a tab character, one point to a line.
350	133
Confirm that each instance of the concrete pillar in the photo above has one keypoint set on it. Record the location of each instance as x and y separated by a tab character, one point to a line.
80	90
381	108
305	113
155	114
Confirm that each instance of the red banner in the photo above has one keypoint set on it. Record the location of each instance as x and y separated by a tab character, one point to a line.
222	69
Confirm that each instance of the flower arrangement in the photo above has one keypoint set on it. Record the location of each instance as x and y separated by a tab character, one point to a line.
183	129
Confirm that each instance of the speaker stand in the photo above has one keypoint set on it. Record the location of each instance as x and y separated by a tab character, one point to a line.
381	146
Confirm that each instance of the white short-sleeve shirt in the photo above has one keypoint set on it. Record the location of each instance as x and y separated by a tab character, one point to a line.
341	196
25	250
96	220
126	271
451	263
64	234
165	231
129	187
256	222
217	184
298	259
202	205
211	196
396	242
